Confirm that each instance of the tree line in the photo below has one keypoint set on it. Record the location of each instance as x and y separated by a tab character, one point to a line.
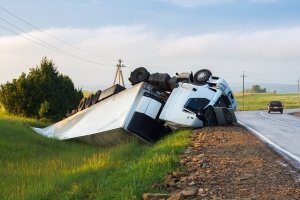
257	89
42	93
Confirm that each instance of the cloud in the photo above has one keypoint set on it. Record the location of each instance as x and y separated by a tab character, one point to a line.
192	3
264	44
225	53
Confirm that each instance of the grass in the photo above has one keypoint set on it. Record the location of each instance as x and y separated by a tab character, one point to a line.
36	167
87	93
259	101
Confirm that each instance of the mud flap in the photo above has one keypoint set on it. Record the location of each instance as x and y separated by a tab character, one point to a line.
225	115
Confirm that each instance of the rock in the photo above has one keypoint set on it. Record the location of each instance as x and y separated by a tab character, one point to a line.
192	183
246	176
179	174
154	196
183	179
204	165
171	183
183	161
189	191
177	196
201	191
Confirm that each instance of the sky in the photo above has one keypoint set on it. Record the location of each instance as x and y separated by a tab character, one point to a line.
86	38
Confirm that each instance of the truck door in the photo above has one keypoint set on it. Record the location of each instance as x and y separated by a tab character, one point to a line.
144	122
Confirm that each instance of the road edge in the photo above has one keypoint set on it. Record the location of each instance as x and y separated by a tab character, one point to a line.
289	157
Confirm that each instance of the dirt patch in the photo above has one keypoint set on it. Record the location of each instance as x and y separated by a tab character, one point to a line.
231	163
297	114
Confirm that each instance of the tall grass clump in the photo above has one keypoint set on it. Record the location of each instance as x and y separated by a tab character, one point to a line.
35	167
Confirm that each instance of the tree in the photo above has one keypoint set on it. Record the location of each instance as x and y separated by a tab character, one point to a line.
258	89
43	93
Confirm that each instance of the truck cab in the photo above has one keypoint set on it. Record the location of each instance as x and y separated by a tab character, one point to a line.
191	105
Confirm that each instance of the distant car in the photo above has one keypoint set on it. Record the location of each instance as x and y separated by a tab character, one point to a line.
275	106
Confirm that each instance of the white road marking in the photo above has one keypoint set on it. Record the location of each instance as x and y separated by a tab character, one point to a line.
283	122
271	143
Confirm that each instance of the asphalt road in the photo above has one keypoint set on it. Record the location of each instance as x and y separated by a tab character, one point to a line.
281	131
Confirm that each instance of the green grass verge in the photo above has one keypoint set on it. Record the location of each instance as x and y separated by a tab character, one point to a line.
35	167
260	101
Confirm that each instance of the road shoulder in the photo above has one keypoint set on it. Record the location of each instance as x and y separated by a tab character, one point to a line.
231	163
297	114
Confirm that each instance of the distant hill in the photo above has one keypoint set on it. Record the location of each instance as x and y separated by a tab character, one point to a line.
280	88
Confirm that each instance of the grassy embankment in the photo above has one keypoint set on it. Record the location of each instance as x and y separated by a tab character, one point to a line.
35	167
259	101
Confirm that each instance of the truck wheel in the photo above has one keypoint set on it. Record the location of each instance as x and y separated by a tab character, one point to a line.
228	116
201	77
81	104
138	75
160	81
211	119
88	101
96	97
185	77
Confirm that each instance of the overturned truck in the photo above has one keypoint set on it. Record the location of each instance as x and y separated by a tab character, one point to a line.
155	105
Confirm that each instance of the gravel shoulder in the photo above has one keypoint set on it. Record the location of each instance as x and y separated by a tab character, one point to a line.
297	114
231	163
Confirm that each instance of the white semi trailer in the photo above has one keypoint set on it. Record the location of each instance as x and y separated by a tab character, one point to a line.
151	108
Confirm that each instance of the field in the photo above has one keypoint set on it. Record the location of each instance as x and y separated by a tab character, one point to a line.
35	167
260	101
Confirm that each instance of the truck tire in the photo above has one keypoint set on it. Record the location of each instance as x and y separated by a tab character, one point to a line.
160	81
138	75
96	97
88	101
228	117
185	77
81	104
173	82
211	119
202	76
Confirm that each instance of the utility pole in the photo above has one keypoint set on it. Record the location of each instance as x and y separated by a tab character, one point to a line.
119	74
298	92
244	89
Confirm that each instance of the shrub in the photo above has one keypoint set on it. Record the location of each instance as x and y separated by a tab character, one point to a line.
43	93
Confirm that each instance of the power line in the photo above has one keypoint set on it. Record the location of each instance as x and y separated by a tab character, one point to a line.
64	42
51	47
46	44
52	36
298	92
32	36
22	36
67	43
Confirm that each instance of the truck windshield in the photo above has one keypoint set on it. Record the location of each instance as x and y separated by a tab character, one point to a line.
196	104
